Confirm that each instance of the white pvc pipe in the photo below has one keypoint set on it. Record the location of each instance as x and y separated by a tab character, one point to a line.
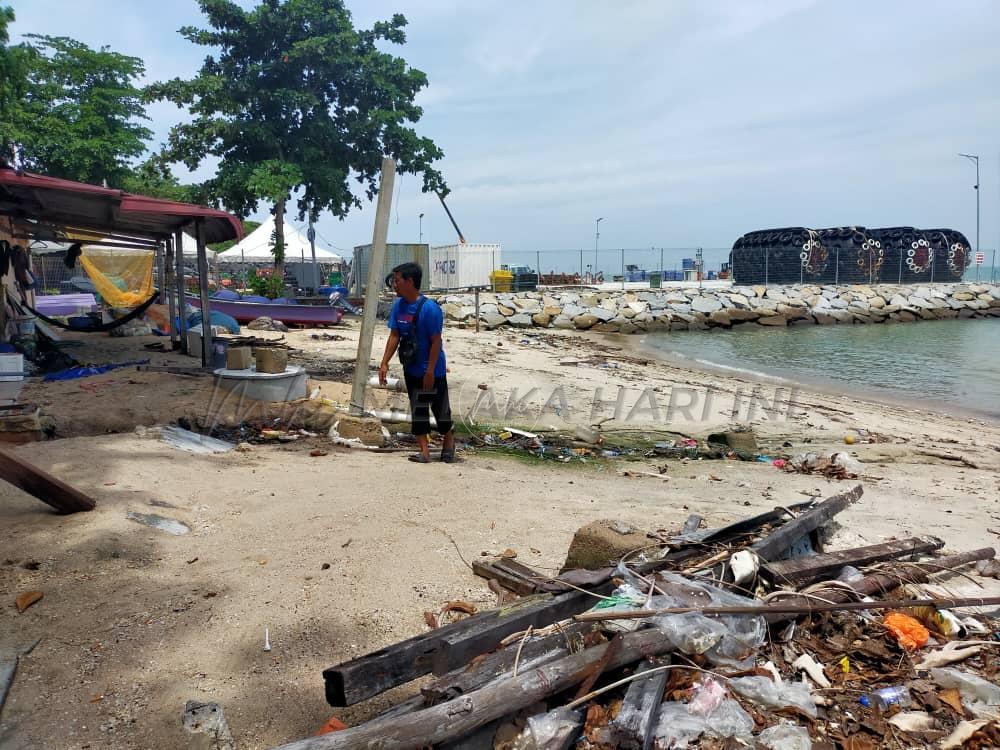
391	384
396	417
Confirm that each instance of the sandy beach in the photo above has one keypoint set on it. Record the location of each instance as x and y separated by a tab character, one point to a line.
341	554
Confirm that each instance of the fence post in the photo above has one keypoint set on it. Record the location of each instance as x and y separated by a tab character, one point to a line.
623	269
661	264
900	279
538	264
766	254
836	269
581	266
993	268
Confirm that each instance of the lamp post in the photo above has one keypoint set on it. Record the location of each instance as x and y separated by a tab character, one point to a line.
597	236
421	225
975	158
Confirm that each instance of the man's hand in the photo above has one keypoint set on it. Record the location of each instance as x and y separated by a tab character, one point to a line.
383	373
429	380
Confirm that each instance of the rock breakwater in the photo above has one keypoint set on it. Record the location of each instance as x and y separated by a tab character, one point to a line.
692	309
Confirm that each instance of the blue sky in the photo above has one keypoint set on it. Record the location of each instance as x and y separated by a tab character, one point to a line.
681	123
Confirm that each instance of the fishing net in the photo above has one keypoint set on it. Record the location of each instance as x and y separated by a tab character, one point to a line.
123	278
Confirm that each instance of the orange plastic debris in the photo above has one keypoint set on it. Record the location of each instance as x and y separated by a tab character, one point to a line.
908	631
332	725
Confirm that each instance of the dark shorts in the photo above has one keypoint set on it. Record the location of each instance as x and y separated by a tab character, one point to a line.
424	403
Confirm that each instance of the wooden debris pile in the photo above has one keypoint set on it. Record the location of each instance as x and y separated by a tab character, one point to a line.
747	635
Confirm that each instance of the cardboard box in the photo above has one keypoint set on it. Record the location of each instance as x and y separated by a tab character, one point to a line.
239	358
270	360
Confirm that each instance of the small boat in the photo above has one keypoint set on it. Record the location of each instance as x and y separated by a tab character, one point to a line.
245	312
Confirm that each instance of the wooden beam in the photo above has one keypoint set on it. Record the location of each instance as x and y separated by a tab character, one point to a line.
462	715
515	576
777	542
635	725
41	484
813	567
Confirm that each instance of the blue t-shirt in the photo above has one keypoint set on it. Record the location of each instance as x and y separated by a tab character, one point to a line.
430	322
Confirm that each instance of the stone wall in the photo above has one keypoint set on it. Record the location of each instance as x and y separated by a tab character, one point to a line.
685	309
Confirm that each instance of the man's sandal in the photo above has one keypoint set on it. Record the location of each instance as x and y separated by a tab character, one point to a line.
419	458
449	457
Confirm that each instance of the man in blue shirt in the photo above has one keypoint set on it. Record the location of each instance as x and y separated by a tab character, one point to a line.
415	325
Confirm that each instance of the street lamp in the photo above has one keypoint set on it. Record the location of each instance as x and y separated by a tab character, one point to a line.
421	224
975	158
597	236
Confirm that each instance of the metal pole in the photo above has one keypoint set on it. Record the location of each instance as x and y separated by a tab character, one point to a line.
900	279
538	264
374	286
623	269
597	236
765	266
206	312
477	309
581	266
421	225
661	265
181	291
977	214
311	235
836	269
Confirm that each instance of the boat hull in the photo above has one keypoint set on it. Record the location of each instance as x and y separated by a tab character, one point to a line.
245	312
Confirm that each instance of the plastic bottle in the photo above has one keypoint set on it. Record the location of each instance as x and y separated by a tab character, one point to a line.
897	695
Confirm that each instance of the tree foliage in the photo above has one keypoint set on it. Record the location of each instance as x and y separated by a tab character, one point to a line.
79	116
154	178
13	79
297	98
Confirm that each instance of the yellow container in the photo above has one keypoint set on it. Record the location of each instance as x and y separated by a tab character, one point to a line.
502	281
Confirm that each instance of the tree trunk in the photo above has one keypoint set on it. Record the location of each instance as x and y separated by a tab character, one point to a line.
279	238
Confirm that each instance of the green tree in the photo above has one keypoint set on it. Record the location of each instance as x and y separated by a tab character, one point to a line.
154	178
79	117
13	79
297	99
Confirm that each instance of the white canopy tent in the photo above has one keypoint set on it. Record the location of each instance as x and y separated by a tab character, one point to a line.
256	247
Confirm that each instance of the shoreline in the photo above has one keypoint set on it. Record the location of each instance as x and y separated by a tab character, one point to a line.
826	386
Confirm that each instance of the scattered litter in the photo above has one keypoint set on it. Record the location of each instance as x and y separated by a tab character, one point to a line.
193	442
168	525
26	599
267	640
907	630
208	719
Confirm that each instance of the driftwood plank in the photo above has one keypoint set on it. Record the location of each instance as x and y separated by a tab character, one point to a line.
635	724
460	716
805	569
41	484
461	646
774	544
534	651
359	679
515	576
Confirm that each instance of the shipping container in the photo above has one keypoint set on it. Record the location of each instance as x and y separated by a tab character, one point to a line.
462	266
395	254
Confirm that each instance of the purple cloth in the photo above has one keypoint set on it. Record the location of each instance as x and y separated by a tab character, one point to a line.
54	305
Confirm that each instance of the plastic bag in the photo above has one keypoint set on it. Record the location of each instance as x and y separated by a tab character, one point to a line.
549	731
766	692
980	696
849	464
677	727
691	633
706	696
908	631
743	636
729	719
785	737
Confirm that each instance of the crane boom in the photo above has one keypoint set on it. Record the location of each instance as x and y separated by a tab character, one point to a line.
458	231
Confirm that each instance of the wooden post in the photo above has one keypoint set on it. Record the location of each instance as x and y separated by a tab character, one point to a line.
375	261
465	713
171	293
42	485
770	547
206	313
181	291
477	309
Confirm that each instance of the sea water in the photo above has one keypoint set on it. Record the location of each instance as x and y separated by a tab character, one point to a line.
938	364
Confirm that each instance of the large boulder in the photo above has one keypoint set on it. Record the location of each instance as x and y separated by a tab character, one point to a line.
720	318
541	319
493	320
602	544
563	321
773	320
585	321
521	320
705	304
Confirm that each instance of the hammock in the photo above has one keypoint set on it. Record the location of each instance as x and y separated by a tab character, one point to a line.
100	328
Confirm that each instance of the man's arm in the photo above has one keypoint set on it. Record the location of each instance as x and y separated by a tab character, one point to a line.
390	348
432	358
